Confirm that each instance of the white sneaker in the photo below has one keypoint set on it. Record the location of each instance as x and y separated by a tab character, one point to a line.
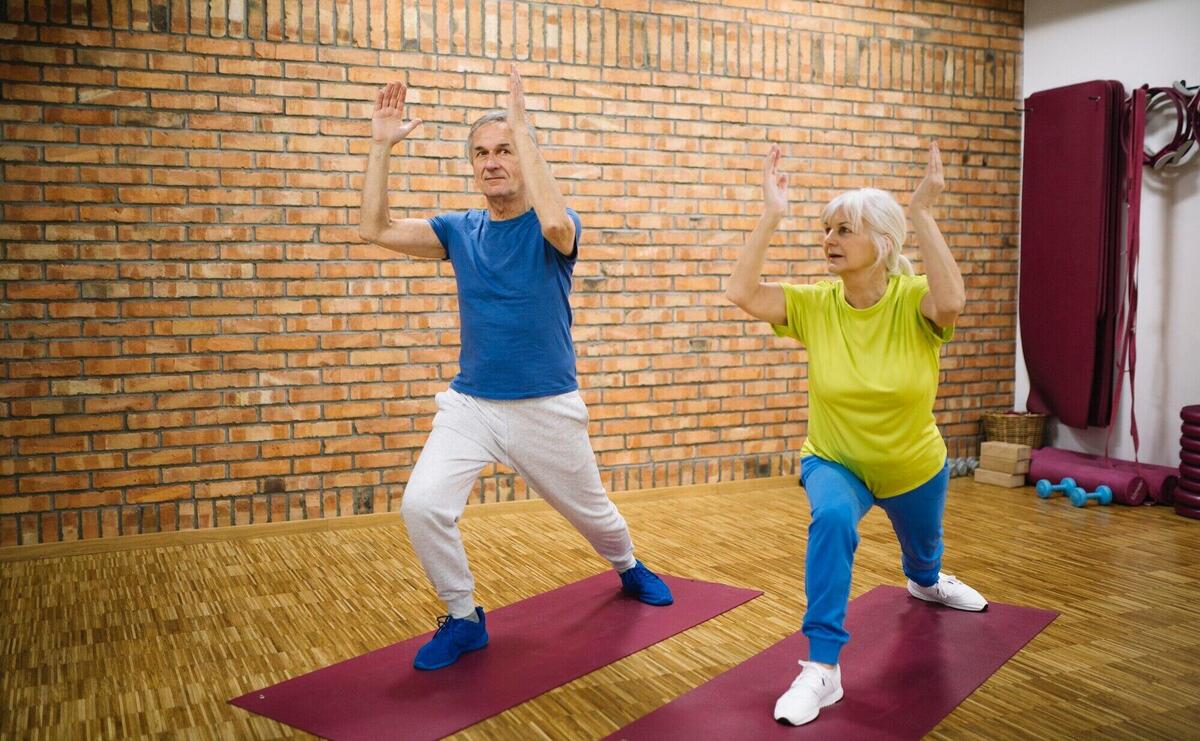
950	592
816	687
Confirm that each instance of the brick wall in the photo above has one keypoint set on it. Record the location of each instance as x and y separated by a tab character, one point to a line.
194	335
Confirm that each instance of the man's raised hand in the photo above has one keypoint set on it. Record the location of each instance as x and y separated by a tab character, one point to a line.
387	120
516	99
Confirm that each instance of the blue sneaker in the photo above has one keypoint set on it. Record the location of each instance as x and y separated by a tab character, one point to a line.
454	637
640	582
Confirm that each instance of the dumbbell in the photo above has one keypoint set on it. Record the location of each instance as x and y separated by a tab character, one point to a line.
1045	489
1079	497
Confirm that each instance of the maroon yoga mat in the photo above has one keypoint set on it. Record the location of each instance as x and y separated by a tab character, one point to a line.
536	645
1070	233
908	664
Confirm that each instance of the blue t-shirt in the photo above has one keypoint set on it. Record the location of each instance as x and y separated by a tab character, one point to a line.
513	311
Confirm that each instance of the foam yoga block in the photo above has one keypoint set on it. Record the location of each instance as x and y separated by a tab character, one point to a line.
1090	473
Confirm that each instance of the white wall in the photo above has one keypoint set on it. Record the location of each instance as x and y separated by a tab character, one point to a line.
1155	42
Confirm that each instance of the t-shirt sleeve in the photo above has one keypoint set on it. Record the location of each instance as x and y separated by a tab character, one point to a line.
916	290
578	233
797	300
444	225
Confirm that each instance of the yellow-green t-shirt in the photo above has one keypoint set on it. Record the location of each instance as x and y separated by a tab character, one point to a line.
872	379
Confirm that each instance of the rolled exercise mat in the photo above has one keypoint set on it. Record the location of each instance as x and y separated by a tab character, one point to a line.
1056	464
1161	480
908	664
1190	444
1190	414
536	644
1192	459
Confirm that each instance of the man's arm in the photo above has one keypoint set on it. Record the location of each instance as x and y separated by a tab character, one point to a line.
411	236
544	194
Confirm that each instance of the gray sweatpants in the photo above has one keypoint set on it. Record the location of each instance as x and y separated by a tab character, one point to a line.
545	440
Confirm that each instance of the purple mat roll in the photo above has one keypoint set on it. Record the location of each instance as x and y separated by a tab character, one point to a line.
1192	445
1055	464
1192	459
1159	480
1190	413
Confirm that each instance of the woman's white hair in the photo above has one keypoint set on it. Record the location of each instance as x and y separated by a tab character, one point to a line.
875	213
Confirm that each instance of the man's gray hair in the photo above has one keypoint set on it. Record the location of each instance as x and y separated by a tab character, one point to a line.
492	117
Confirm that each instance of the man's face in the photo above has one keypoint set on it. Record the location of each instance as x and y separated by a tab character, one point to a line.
494	161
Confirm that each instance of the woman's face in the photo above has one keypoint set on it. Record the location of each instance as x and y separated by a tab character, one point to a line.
845	249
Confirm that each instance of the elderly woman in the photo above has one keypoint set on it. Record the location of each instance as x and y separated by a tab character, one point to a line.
873	335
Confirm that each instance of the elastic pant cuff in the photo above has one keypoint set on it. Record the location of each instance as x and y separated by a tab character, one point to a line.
624	563
824	651
461	607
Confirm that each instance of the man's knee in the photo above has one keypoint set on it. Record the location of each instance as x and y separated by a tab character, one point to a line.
418	506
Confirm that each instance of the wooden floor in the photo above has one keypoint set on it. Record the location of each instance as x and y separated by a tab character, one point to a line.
154	641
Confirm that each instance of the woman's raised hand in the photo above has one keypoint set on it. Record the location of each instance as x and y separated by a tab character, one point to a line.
775	183
931	186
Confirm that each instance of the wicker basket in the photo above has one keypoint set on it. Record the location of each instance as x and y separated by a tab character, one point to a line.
1015	427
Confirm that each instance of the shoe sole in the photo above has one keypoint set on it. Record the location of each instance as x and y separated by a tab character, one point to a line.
427	668
923	598
784	720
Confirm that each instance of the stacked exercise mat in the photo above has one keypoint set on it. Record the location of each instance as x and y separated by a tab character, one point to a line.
1187	494
1073	191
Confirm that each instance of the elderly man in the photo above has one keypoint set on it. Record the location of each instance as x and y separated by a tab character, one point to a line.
515	399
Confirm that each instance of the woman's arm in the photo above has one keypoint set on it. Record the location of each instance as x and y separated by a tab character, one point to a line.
746	289
947	296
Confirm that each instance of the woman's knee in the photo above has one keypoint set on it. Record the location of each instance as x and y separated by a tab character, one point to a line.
835	517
